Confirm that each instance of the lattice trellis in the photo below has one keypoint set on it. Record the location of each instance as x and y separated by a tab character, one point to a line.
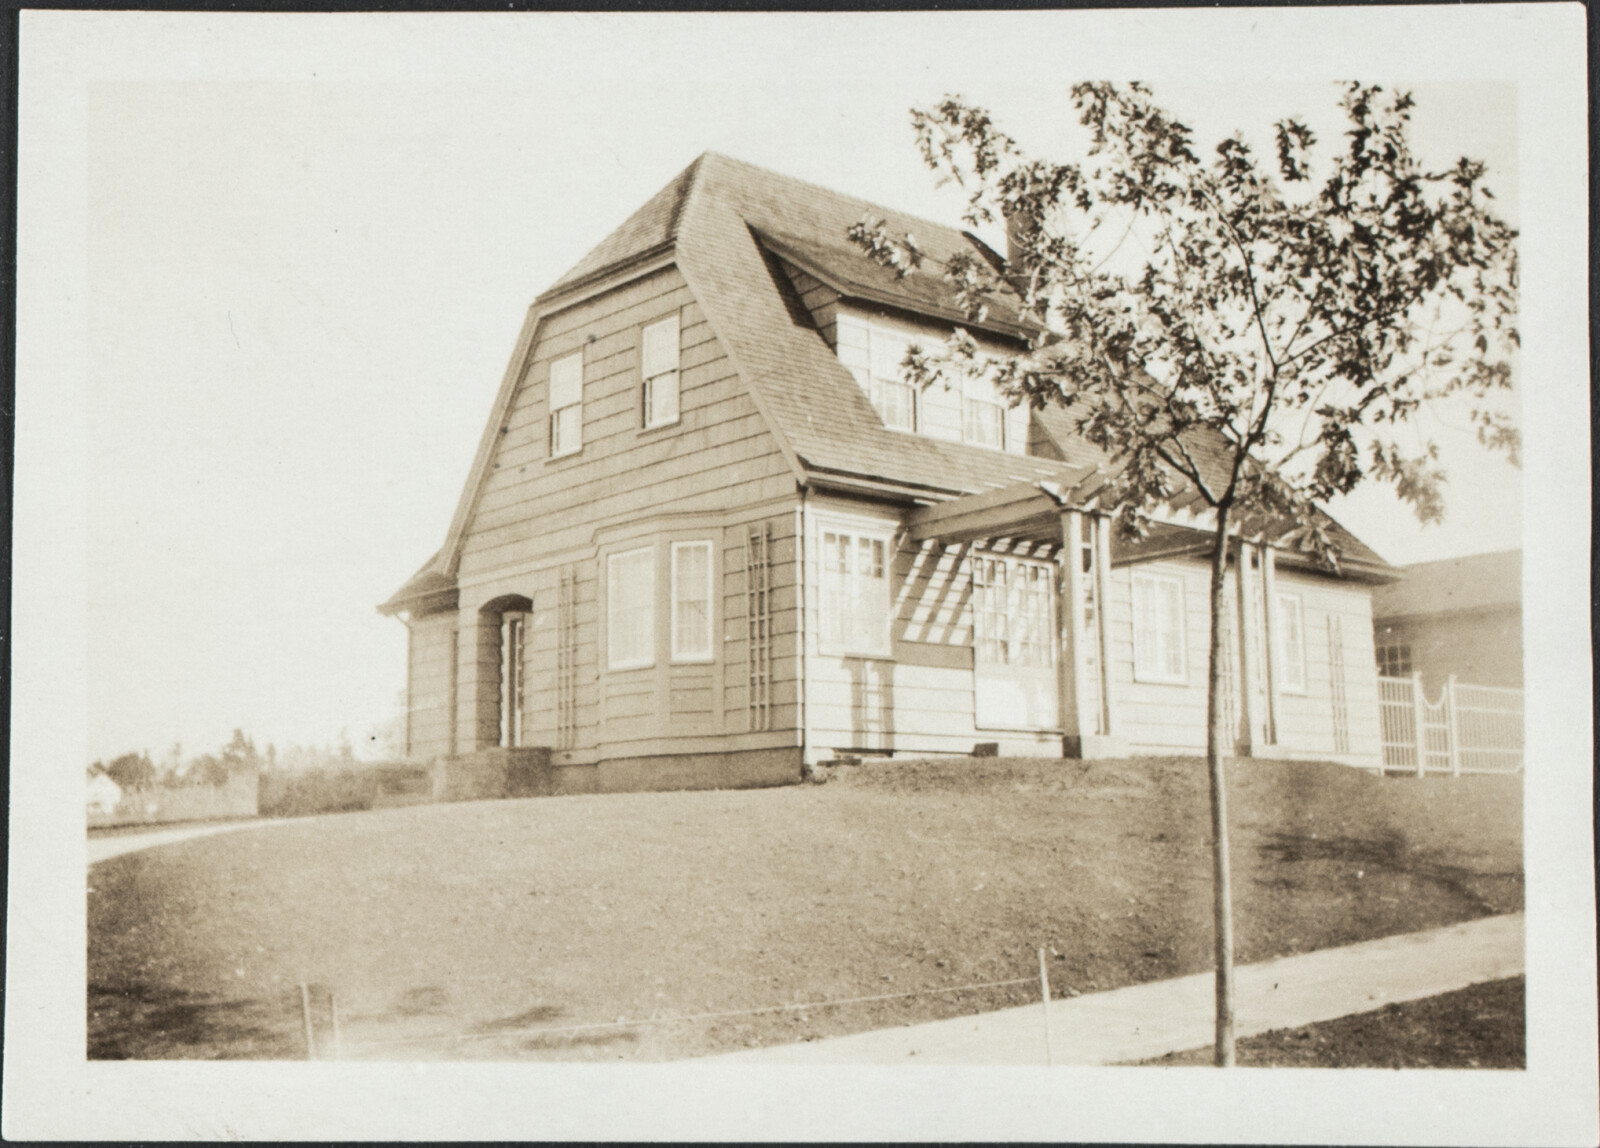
1341	711
758	615
567	658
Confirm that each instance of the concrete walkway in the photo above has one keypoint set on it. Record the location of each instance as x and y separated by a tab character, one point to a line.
115	845
1144	1021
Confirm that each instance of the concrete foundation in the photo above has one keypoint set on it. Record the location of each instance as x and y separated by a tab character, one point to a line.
529	772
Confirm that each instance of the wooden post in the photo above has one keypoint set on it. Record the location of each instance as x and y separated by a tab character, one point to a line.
1102	574
1419	715
1075	721
1452	729
1044	990
305	1018
1269	600
333	1016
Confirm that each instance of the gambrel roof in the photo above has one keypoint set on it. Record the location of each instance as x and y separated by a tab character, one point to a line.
730	228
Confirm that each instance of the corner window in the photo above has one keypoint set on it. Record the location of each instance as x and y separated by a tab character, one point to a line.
1291	644
1158	629
691	601
658	359
566	405
631	609
855	594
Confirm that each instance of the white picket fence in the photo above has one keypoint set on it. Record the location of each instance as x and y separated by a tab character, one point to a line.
1470	729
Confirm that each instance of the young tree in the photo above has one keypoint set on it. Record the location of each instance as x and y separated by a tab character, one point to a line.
1235	333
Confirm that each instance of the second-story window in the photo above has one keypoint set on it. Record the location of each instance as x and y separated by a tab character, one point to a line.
658	358
983	421
874	357
566	405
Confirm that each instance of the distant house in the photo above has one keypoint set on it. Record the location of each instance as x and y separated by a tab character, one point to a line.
104	794
1460	616
710	534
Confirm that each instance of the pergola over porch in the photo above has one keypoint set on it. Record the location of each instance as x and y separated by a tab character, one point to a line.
1063	512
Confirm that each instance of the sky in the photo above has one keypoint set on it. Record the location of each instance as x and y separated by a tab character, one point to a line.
309	255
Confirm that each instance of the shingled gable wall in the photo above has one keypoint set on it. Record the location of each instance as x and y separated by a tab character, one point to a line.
717	475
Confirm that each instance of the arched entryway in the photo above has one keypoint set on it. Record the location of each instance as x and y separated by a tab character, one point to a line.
502	669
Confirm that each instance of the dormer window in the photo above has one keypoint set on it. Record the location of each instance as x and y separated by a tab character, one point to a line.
971	410
874	356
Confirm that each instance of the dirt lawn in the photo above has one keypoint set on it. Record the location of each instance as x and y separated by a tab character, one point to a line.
1479	1027
499	929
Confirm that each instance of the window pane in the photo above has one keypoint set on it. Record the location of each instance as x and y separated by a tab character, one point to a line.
984	423
1291	633
566	430
855	594
659	350
691	600
566	381
896	404
630	617
661	399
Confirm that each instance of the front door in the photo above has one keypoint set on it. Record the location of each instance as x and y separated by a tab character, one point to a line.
1014	643
511	627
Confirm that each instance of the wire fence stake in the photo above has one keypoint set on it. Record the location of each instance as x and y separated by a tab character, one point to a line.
1044	989
305	1016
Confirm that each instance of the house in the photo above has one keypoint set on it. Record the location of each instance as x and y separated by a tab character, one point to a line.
1460	616
710	535
104	794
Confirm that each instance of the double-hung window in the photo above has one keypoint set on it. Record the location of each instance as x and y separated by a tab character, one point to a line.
566	405
631	609
983	420
855	593
1291	644
691	601
1158	641
658	358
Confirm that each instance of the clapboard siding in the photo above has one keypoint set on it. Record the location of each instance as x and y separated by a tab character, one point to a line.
712	476
1162	717
428	685
920	699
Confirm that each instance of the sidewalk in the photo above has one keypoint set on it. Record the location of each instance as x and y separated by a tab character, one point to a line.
1150	1020
102	848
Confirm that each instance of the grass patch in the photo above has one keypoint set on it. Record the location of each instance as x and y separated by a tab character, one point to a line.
501	929
1483	1026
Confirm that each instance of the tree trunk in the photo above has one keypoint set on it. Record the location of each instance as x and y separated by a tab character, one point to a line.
1219	747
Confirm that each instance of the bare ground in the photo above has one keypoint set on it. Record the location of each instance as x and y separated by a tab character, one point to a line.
529	929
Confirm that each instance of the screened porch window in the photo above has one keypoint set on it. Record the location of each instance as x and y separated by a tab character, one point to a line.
855	594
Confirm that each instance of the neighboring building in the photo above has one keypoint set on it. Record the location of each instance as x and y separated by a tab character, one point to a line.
710	534
1460	616
104	794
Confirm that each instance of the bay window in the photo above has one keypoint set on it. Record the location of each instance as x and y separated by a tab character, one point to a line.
691	601
631	609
